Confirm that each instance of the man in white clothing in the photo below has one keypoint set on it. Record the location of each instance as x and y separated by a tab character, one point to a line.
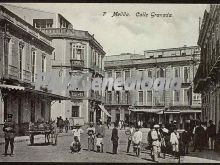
155	136
137	138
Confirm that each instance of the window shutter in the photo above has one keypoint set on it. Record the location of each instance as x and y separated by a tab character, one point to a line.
15	46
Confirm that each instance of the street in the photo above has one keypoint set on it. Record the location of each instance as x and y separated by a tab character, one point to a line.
61	153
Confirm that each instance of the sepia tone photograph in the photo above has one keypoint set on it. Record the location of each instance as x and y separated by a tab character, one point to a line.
109	82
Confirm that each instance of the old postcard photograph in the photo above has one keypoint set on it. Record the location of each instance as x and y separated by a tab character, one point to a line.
110	82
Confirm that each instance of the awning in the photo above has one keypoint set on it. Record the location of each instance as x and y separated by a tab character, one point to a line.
147	110
168	112
180	111
51	95
12	87
191	111
104	110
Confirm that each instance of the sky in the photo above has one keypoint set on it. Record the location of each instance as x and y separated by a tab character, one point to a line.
131	34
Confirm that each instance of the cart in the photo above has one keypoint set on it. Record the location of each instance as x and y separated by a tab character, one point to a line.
37	129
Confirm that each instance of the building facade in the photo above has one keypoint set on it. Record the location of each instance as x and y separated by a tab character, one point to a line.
24	52
207	81
76	52
147	105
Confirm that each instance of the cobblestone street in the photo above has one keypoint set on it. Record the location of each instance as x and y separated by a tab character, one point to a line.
61	152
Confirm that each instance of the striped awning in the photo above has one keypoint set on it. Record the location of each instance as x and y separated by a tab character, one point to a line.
12	87
168	112
104	110
147	110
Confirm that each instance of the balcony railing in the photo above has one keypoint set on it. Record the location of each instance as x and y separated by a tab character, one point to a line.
76	64
199	79
77	95
96	97
115	102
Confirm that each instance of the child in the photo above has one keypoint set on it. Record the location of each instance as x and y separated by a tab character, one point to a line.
77	131
75	145
91	137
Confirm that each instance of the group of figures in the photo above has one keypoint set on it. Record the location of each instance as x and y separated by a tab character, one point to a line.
167	140
94	133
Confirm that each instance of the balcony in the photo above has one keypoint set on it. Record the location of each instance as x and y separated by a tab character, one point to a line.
77	95
76	64
199	80
96	97
115	102
12	72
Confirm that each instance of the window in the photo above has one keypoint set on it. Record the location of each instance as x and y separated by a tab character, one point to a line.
43	64
20	58
150	73
162	72
186	74
127	97
109	73
118	74
186	96
141	73
141	97
43	109
33	65
149	96
91	116
176	96
78	51
109	97
117	97
75	111
127	74
176	72
7	53
158	73
43	23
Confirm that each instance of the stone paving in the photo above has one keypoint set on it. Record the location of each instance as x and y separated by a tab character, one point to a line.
61	152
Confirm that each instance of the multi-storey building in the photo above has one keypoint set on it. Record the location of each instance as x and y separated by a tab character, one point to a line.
148	106
207	79
76	52
24	53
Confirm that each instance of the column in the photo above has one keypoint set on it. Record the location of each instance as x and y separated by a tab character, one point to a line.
122	114
160	119
94	116
195	116
113	114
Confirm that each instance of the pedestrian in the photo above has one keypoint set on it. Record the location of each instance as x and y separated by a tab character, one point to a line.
155	135
54	132
66	125
150	140
139	124
206	140
115	138
174	140
77	131
199	137
130	132
75	146
137	138
211	132
9	131
91	137
186	138
120	124
108	123
163	132
100	133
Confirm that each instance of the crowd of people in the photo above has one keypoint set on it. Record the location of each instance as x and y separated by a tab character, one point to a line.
161	138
